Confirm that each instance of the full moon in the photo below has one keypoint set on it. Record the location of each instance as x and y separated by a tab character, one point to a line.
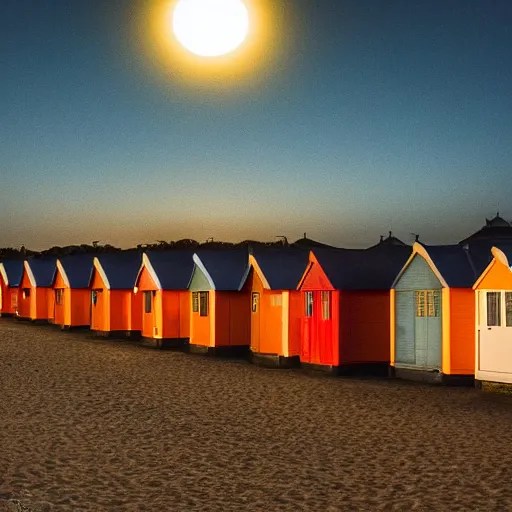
210	28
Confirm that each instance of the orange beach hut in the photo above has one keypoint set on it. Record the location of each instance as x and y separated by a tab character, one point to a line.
345	295
433	315
276	305
72	296
10	278
493	326
115	308
35	294
163	281
220	317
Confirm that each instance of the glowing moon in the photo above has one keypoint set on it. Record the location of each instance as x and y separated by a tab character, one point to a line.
210	28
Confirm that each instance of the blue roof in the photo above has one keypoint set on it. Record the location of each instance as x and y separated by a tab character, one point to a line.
121	268
14	271
283	267
226	267
43	270
454	264
362	269
78	268
173	268
481	255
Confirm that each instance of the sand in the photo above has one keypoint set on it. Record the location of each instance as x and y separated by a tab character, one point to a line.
107	425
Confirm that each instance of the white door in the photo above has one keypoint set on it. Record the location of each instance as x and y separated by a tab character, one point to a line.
495	336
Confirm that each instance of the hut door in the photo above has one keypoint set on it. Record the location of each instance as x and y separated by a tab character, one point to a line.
255	322
428	328
97	310
404	325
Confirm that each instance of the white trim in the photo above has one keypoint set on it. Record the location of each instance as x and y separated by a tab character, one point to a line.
3	273
419	249
99	268
244	277
30	274
146	263
60	268
498	377
202	268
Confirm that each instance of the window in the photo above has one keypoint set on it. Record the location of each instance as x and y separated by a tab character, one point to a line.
203	303
427	303
309	303
276	300
59	292
195	302
493	309
255	301
420	303
148	302
94	297
326	305
508	309
26	293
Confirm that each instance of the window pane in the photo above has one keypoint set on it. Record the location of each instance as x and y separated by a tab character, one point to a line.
203	303
309	303
195	302
255	301
508	308
493	309
147	302
326	305
420	303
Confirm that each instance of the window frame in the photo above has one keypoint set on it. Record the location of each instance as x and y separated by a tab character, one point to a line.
148	302
255	302
326	301
204	300
309	302
59	296
427	303
505	322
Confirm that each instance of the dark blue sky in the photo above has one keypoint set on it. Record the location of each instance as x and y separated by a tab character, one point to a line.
373	115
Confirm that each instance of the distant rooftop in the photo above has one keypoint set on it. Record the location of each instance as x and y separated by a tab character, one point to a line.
496	228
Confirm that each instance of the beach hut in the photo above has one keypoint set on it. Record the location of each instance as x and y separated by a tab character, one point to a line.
220	316
35	294
10	279
72	296
276	305
345	295
433	315
163	281
493	339
116	311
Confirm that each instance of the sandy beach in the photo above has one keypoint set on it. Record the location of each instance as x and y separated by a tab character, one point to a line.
107	425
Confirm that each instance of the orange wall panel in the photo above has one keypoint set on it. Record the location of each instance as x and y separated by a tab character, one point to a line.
171	314
185	311
239	318
296	314
316	279
80	307
145	282
462	330
271	323
364	324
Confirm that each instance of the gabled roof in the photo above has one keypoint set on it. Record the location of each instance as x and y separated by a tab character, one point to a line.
494	229
118	269
362	269
76	269
170	270
282	267
225	269
41	271
11	271
452	264
390	240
